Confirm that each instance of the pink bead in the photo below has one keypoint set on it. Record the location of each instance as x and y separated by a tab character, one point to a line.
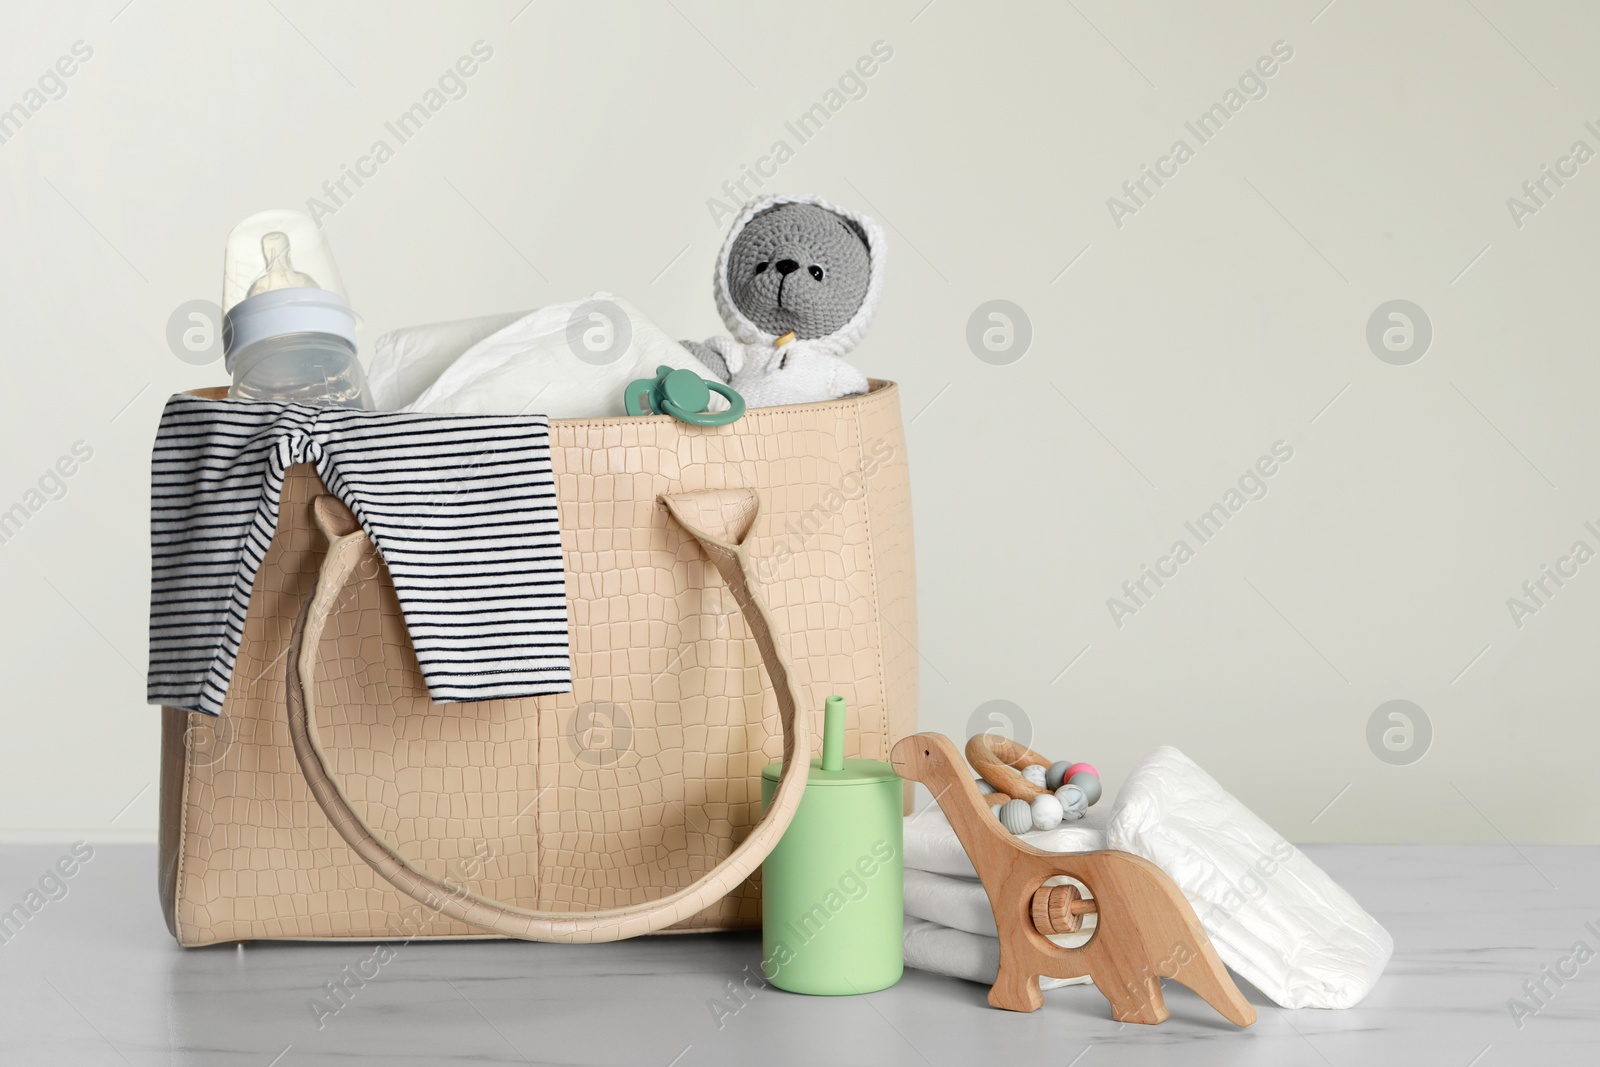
1079	768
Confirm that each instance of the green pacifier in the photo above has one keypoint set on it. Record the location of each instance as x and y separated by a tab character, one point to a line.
684	395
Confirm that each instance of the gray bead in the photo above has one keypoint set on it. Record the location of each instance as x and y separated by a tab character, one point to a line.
1056	775
1089	783
1017	816
984	787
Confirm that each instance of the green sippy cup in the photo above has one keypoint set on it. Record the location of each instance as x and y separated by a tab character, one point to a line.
833	891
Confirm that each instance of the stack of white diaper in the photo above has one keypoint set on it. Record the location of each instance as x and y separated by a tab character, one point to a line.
1273	915
949	926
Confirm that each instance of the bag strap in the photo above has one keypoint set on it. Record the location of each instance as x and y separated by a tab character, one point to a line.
730	513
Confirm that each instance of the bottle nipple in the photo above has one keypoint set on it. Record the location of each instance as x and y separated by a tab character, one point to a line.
280	273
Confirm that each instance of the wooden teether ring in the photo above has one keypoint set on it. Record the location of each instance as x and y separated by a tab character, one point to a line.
999	760
1059	909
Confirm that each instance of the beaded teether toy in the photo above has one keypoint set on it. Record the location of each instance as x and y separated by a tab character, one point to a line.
1145	929
1054	792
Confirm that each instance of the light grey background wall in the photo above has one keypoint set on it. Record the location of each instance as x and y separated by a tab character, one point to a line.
1179	333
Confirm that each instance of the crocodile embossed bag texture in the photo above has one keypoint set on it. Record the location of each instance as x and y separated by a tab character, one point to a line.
720	583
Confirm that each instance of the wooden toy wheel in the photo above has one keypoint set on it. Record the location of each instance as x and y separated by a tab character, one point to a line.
1059	909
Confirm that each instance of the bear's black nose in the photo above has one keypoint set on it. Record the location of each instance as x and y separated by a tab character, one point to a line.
786	266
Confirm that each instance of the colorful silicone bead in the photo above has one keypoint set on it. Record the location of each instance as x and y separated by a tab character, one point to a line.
1089	783
1017	816
1034	775
1047	812
1079	768
1056	775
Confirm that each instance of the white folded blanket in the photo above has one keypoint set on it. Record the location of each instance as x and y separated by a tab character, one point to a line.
931	947
961	903
405	362
949	925
569	360
931	843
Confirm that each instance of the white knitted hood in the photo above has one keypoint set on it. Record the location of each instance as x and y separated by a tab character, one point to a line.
837	343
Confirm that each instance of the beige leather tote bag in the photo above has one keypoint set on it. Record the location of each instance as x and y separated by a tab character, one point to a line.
721	582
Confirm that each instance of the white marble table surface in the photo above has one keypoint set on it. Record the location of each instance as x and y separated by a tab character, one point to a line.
93	978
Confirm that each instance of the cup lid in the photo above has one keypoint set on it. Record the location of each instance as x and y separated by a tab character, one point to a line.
854	772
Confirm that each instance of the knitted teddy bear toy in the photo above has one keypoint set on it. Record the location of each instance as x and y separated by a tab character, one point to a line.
797	282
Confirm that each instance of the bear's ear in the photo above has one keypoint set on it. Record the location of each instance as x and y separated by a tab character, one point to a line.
854	228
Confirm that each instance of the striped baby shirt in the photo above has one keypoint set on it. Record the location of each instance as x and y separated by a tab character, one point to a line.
462	508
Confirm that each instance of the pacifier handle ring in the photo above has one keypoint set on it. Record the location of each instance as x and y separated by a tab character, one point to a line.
708	418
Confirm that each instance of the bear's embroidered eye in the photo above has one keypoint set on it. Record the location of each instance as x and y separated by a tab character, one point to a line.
816	272
761	266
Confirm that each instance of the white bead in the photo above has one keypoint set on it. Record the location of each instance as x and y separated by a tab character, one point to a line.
1073	802
1047	812
984	787
1035	774
1017	816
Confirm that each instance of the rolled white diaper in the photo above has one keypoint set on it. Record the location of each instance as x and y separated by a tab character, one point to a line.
959	954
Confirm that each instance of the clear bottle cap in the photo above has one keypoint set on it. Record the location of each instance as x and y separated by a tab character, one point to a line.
273	250
278	278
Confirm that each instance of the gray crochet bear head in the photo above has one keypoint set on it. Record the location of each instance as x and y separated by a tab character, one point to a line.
799	267
797	282
800	264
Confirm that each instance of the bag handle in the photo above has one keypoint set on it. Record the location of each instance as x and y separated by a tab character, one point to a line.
729	512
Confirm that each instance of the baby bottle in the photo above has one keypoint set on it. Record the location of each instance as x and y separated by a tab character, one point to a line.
288	332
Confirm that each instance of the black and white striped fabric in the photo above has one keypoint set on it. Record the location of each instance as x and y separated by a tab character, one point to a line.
461	507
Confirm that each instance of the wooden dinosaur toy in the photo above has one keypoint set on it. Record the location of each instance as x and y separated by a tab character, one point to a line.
1145	929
